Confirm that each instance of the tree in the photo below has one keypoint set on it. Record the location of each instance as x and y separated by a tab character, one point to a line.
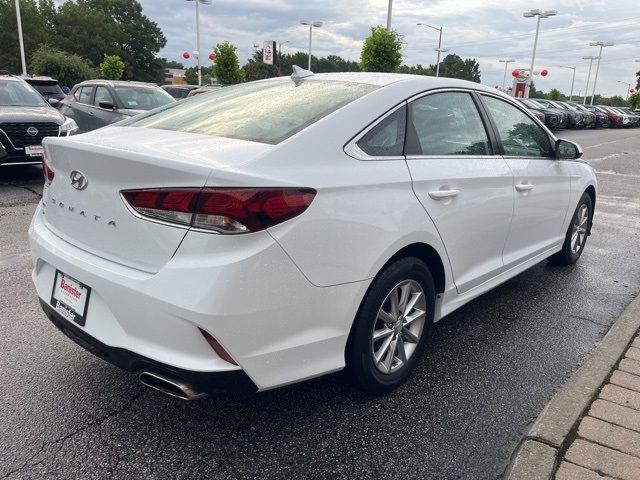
634	101
171	64
137	38
112	67
554	94
417	70
453	66
36	27
256	69
67	68
227	68
615	101
382	51
535	93
191	75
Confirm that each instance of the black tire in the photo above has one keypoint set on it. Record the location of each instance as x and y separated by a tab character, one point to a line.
359	355
567	256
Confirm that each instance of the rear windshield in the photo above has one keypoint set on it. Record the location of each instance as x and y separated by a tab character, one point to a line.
19	94
142	98
268	111
47	88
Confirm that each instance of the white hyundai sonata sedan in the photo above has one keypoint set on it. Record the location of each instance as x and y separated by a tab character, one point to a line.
274	231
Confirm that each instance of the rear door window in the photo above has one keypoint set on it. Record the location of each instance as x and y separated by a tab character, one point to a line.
84	95
446	123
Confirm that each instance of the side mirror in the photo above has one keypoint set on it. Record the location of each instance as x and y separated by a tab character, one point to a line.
566	150
107	105
54	102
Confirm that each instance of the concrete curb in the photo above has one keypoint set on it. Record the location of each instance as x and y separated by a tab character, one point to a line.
536	456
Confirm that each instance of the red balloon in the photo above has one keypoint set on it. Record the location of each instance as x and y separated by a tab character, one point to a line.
186	55
515	73
212	56
633	90
544	72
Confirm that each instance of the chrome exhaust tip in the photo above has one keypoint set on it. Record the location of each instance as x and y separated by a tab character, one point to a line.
169	385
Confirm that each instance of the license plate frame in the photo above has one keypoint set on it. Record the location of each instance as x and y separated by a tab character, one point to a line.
34	150
65	293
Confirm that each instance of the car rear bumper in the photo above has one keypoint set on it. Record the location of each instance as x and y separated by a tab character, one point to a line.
249	295
209	382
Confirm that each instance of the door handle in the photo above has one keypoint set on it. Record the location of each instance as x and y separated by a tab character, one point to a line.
441	194
524	187
91	113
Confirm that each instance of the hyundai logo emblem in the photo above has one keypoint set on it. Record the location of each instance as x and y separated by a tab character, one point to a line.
33	131
78	180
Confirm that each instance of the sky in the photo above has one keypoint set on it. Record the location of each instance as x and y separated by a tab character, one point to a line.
486	30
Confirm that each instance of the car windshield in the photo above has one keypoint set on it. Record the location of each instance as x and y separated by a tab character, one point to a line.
47	88
570	107
532	104
16	93
142	98
267	111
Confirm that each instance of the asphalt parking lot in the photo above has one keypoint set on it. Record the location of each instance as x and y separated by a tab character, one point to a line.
492	367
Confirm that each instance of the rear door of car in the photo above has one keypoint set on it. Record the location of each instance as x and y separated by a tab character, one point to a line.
542	184
79	107
465	186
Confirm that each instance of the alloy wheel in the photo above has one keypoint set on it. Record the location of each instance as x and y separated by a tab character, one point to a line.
579	231
398	326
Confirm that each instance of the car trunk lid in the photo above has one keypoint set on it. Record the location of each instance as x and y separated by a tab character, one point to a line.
88	210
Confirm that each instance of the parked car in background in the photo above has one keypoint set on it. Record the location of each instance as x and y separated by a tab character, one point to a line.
588	117
48	87
602	119
576	119
628	120
635	116
179	91
278	230
204	89
97	103
26	118
615	118
562	112
552	118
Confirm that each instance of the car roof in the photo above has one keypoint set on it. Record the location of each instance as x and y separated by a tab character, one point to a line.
115	83
384	79
13	78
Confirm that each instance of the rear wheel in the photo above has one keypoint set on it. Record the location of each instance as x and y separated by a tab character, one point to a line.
392	327
577	233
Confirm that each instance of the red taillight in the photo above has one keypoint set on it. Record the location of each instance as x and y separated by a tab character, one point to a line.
48	172
222	353
224	210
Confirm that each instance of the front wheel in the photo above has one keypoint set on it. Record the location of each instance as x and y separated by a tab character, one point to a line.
392	327
577	233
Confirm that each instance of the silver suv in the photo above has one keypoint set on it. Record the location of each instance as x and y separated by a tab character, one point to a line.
25	119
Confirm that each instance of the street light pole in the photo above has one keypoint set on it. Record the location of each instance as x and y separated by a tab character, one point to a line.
197	52
20	39
506	62
389	14
439	49
540	14
591	58
600	44
198	41
573	80
311	24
